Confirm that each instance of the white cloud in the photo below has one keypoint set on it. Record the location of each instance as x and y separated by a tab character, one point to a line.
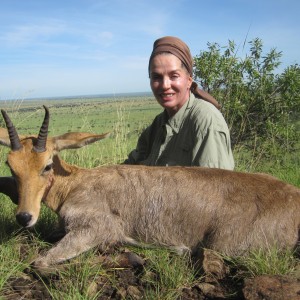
103	38
24	35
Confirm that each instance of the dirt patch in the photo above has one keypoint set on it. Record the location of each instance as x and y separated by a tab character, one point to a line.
272	287
129	274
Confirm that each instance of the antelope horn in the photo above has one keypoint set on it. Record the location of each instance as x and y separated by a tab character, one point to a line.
42	137
15	143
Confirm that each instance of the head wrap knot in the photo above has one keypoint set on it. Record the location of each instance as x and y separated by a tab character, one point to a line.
180	49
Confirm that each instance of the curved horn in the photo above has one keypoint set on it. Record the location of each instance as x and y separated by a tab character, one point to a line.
15	143
42	137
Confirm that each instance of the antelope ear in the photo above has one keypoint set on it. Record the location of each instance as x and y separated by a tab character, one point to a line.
4	138
73	140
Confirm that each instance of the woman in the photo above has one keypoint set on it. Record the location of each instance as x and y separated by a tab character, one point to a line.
191	130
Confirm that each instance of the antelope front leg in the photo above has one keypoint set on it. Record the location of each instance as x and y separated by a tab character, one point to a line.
78	240
71	245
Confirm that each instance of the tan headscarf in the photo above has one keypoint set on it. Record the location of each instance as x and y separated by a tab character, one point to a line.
178	48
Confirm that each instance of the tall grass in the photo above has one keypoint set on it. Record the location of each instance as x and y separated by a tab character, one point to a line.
121	131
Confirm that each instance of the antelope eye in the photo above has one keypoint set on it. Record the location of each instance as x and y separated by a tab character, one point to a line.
48	168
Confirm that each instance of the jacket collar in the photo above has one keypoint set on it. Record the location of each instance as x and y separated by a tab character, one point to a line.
176	121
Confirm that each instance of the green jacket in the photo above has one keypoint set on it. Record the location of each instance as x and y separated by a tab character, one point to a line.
197	135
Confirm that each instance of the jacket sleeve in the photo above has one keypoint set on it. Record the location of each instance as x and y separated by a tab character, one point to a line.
141	152
145	142
211	140
213	151
212	145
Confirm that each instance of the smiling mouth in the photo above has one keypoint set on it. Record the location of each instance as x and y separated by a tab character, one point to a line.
167	95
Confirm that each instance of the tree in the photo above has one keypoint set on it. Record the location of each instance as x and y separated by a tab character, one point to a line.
259	104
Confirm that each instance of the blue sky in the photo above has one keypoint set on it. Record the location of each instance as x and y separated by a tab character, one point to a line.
82	47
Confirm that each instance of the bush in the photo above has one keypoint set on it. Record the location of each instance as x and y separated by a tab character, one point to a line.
260	105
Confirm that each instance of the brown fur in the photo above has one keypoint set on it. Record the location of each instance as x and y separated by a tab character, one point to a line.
182	208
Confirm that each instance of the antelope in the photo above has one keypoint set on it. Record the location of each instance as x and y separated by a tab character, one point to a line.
182	208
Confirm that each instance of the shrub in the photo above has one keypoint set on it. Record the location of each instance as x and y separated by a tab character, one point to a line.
260	105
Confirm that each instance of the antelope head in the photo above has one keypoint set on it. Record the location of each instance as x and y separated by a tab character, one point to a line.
31	163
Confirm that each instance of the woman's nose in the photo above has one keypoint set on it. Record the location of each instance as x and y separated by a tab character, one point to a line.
166	83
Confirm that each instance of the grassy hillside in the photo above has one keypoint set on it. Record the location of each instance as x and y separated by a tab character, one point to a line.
165	274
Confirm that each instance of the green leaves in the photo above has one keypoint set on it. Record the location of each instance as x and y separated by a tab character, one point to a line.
257	101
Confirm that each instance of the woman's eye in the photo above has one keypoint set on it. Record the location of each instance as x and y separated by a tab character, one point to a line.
155	78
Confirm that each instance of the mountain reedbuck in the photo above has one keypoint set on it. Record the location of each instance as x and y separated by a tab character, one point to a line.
182	208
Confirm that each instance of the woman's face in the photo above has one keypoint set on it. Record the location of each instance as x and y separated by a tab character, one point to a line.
170	82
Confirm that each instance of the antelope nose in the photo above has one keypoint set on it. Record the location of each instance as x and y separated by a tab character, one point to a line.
23	218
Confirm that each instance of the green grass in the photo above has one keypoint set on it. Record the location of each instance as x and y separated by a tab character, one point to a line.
165	273
10	262
268	262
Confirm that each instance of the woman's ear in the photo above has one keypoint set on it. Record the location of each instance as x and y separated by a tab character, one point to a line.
190	82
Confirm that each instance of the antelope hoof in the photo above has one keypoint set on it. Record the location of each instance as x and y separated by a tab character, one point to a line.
42	269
